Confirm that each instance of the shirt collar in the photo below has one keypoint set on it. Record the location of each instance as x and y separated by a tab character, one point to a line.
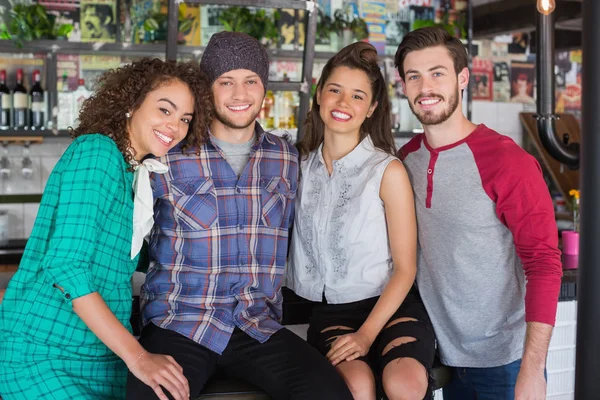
259	133
355	158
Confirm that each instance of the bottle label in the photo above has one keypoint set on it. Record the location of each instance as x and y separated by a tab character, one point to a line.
38	106
20	100
6	102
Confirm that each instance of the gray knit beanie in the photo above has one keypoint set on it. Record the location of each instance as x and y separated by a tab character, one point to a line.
228	51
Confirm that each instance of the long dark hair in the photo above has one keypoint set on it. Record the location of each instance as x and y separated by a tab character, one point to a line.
125	88
361	56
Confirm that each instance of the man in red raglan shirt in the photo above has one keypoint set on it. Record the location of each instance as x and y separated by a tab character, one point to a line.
489	267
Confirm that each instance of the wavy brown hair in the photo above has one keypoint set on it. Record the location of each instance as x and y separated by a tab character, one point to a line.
432	36
124	89
361	56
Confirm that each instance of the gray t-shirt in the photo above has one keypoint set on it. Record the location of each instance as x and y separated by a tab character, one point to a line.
236	154
485	221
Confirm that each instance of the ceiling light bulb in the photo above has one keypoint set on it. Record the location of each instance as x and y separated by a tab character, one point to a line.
546	6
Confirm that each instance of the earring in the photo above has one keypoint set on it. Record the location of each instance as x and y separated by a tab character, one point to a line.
127	115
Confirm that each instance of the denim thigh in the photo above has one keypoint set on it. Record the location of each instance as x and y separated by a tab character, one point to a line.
495	383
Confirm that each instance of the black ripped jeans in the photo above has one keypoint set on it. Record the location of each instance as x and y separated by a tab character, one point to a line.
285	366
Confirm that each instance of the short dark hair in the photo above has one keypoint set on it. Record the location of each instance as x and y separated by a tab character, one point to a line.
432	36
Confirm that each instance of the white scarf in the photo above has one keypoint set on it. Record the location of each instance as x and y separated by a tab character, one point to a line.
143	202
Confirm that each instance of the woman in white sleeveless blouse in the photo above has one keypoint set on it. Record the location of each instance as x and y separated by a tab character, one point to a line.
354	238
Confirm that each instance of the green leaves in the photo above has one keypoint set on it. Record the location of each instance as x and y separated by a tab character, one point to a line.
454	28
64	30
259	23
157	24
358	26
151	24
31	22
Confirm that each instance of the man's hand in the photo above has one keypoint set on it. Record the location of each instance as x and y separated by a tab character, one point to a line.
349	347
531	384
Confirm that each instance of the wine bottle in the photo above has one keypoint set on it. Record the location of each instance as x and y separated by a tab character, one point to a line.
36	97
5	102
20	106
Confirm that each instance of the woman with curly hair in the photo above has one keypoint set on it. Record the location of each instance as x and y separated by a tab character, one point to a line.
64	320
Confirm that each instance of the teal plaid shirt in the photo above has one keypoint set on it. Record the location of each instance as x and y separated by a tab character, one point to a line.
81	241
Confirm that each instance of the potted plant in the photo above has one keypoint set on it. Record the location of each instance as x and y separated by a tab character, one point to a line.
352	28
31	22
259	23
455	28
156	27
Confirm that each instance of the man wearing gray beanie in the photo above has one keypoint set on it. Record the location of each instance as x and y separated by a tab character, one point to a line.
212	297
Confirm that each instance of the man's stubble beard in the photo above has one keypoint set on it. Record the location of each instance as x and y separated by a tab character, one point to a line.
429	118
228	123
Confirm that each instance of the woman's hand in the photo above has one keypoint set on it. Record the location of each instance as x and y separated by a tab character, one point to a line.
349	347
157	370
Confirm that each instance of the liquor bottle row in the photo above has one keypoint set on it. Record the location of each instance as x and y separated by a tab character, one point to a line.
21	109
279	110
69	103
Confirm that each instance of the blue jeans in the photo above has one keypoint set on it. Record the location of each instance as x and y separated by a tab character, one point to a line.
496	383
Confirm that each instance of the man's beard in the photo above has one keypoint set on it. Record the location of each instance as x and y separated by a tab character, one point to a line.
430	117
230	124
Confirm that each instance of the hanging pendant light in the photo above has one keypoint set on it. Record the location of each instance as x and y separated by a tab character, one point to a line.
546	6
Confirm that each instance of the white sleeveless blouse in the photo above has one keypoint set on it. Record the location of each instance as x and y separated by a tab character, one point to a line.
340	243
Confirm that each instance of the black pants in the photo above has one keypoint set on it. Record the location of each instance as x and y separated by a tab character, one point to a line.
285	366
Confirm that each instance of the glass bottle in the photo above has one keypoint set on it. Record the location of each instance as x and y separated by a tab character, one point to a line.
20	103
37	104
5	102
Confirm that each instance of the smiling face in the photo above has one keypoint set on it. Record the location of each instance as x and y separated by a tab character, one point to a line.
162	120
238	97
345	101
432	86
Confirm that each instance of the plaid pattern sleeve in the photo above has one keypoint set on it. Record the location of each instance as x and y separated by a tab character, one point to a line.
219	245
80	241
85	197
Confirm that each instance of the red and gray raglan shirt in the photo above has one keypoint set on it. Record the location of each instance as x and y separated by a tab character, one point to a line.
488	245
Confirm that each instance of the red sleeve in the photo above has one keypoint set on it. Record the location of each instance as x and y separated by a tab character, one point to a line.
413	145
513	179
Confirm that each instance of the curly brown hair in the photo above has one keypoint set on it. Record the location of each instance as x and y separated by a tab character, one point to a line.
124	89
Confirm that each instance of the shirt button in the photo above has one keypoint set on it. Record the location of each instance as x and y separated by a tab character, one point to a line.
238	190
68	296
240	227
429	171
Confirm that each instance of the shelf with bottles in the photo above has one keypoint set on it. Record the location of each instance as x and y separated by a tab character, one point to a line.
29	98
279	110
22	108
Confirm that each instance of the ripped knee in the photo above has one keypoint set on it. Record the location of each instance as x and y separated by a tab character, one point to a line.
399	320
333	332
337	327
402	338
397	342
